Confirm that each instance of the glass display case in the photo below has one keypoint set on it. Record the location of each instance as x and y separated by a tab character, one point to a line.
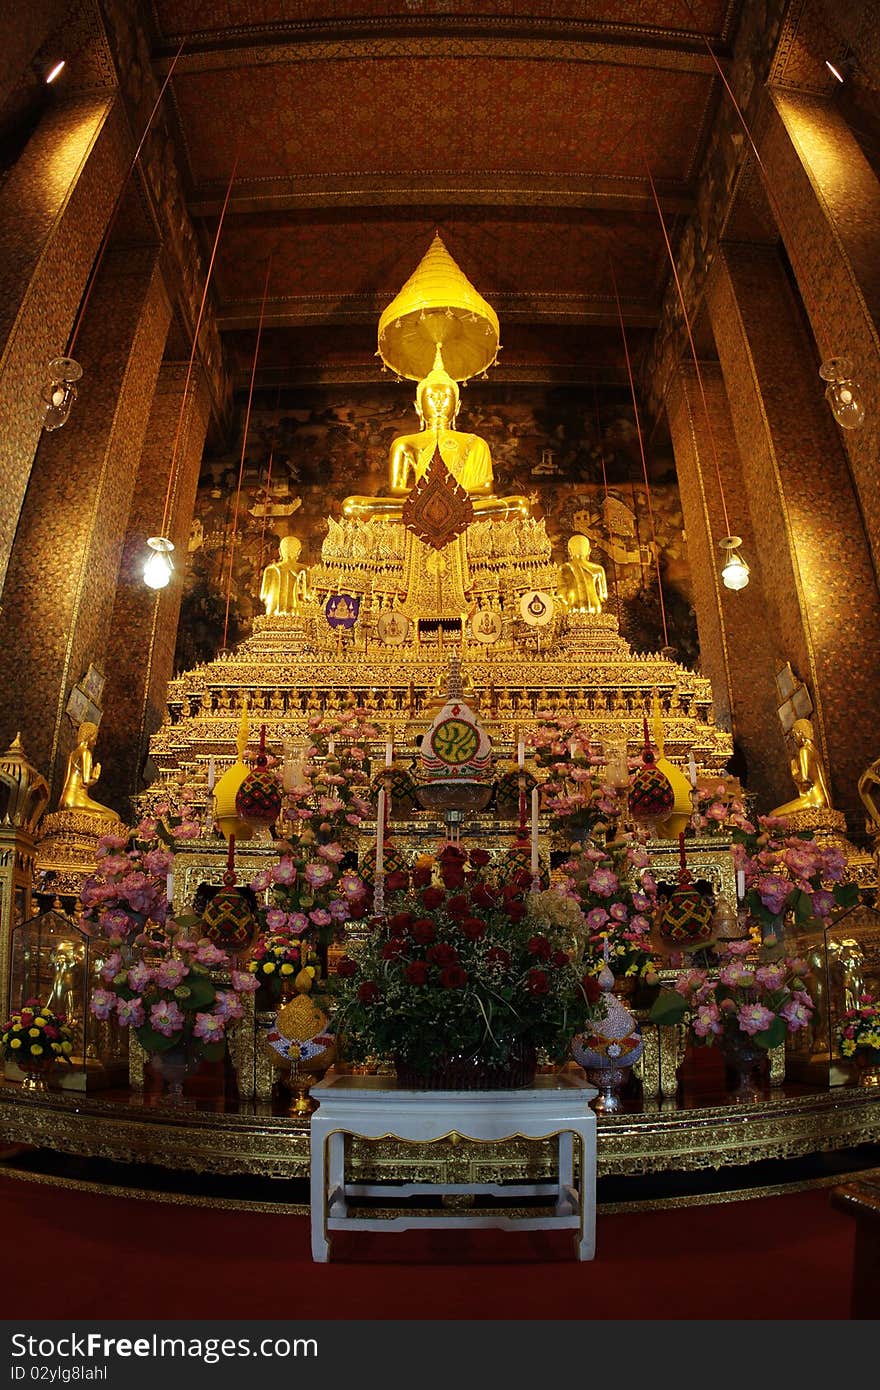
56	959
844	959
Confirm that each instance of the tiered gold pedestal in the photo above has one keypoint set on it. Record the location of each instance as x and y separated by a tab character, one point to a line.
251	1140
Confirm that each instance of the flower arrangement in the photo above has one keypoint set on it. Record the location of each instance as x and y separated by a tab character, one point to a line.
761	1000
129	886
36	1034
332	799
787	873
459	971
170	997
859	1031
310	895
278	957
575	792
618	899
720	807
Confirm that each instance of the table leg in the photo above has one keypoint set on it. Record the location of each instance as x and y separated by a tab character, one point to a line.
585	1244
318	1149
336	1173
566	1172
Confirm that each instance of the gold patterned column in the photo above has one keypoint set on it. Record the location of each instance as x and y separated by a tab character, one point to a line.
62	575
828	197
144	627
821	596
738	651
54	206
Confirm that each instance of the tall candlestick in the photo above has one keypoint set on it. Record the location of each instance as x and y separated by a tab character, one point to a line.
572	747
331	747
520	753
212	774
380	833
169	886
740	884
535	864
692	770
389	751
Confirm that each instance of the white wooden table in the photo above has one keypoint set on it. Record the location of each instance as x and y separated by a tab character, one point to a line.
375	1107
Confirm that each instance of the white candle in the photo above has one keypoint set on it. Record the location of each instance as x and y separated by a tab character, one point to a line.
331	747
572	747
380	833
521	753
740	884
535	799
288	773
169	885
389	752
212	774
692	770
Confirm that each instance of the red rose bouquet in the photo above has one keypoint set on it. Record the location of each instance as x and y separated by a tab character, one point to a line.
458	971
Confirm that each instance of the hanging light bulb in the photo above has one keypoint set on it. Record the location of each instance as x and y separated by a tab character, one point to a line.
734	571
159	567
59	391
842	393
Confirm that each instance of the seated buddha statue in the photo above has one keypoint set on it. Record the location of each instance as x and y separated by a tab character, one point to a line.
807	772
583	586
82	774
284	582
467	457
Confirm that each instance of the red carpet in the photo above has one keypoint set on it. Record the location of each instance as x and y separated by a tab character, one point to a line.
776	1257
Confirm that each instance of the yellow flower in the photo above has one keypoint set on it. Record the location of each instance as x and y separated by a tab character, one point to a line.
56	1047
40	1022
36	1050
66	1047
848	1047
252	966
33	1032
287	970
16	1042
269	967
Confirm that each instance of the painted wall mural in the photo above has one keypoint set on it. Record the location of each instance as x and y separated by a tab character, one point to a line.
576	459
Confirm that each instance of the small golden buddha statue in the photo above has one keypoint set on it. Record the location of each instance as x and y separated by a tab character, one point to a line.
467	457
869	791
583	586
284	584
83	773
808	773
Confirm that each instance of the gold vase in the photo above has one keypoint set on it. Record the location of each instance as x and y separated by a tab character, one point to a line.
37	1071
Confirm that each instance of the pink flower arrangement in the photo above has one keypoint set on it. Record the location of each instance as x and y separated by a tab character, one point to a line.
763	999
575	791
618	900
858	1034
720	807
174	1001
789	873
128	889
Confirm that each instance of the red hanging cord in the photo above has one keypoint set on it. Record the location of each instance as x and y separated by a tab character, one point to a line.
108	230
172	471
632	387
605	486
265	510
244	439
687	324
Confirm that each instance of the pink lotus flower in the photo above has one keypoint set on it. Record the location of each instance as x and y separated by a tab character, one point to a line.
261	882
736	975
796	1014
773	892
284	871
208	954
339	910
596	918
690	980
833	862
619	912
170	974
798	966
140	977
109	842
332	853
603	882
771	976
103	1002
297	922
187	830
641	902
823	903
737	948
320	917
707	1020
717	812
115	923
147	829
276	918
330	805
228	1005
754	1018
111	967
158	861
318	874
166	1018
640	924
210	1027
130	1012
114	864
244	982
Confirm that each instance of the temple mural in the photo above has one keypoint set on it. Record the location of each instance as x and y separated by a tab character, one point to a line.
577	462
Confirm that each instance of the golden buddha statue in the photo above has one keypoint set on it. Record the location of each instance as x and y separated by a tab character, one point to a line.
583	586
466	456
808	773
284	584
869	791
83	773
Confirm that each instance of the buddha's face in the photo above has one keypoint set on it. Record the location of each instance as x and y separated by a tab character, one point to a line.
438	400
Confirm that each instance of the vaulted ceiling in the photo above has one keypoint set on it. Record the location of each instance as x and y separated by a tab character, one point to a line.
360	127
